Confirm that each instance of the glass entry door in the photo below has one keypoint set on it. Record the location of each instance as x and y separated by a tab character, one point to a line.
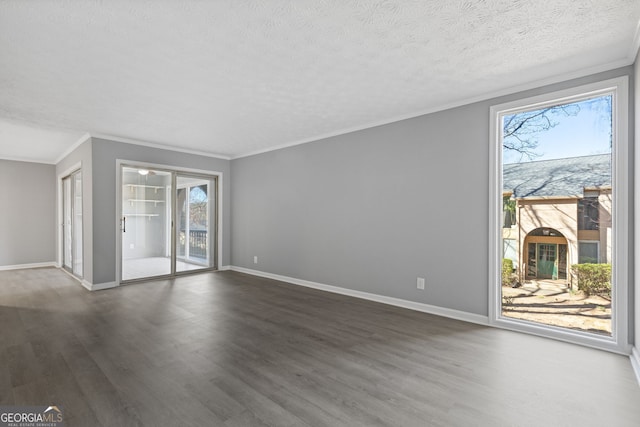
145	223
547	266
194	219
167	222
72	223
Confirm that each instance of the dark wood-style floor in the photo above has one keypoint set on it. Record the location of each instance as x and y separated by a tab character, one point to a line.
234	350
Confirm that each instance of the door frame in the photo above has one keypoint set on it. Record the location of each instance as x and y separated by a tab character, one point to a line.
619	340
218	222
538	253
199	180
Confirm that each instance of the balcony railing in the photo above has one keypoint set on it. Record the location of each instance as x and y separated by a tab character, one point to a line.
197	243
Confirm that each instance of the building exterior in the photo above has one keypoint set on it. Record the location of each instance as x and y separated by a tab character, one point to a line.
557	213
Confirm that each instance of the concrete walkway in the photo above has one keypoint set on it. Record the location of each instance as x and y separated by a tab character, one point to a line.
552	302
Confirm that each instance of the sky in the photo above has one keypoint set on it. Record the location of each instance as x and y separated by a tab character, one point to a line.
585	133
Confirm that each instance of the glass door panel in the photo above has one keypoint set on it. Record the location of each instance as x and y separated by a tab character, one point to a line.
67	238
145	223
72	223
77	224
547	261
195	222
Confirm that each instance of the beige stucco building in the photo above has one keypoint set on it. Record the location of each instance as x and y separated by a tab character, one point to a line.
557	213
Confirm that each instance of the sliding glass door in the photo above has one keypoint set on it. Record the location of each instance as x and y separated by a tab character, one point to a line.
194	218
145	221
72	223
167	222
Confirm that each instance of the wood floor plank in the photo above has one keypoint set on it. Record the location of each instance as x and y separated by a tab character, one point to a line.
220	403
151	410
6	388
32	391
229	349
13	329
245	419
263	408
66	393
23	368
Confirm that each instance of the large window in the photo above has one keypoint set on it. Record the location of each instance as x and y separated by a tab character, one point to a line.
562	160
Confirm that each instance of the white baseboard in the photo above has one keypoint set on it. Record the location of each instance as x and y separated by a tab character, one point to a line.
25	266
411	305
90	286
225	268
635	362
98	286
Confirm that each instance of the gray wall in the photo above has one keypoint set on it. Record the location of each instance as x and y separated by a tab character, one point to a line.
104	156
27	213
81	155
372	210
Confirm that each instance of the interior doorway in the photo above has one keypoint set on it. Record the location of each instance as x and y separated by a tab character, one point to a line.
167	222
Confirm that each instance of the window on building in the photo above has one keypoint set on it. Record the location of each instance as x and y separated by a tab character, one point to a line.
508	212
509	250
588	253
588	217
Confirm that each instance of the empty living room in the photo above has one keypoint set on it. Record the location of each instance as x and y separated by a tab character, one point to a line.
319	213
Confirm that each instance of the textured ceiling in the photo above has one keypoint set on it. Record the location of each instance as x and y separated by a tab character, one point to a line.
237	77
19	141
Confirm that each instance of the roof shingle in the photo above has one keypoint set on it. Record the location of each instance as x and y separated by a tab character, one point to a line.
557	177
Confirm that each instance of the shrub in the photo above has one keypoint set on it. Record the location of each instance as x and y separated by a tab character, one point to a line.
593	279
508	278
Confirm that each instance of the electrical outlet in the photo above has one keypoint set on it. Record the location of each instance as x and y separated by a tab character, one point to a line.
131	246
420	283
255	259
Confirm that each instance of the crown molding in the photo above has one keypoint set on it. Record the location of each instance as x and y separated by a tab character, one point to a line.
634	49
467	101
26	160
159	146
79	142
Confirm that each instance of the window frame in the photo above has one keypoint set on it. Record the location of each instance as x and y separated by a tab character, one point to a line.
586	208
618	87
596	242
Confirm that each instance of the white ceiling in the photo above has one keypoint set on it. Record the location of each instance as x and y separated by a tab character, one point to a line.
236	77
